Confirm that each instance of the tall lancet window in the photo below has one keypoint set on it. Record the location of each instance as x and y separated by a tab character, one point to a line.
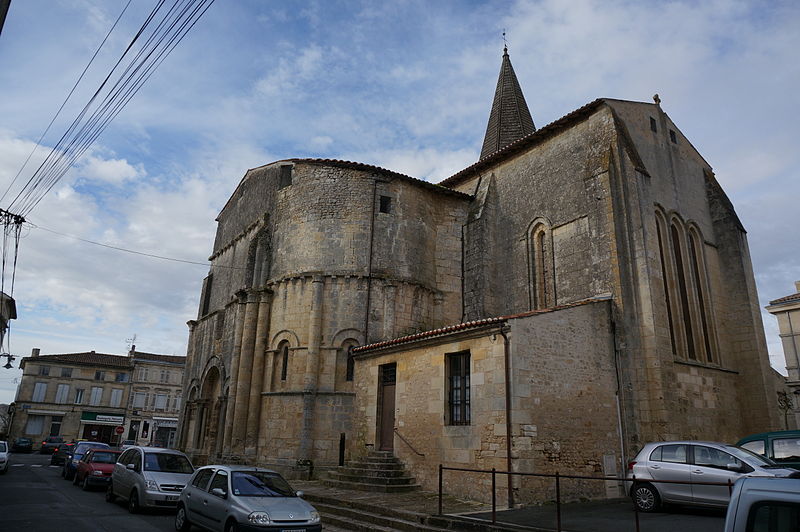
540	258
683	290
258	260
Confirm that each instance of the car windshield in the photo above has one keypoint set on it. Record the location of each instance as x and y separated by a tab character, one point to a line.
104	457
2	447
23	440
167	463
748	456
81	449
260	484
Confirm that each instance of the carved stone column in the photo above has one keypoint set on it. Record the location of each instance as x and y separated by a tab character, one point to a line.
241	299
257	375
245	371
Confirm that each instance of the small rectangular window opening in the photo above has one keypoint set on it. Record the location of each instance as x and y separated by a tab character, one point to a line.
385	204
653	126
285	176
673	137
458	392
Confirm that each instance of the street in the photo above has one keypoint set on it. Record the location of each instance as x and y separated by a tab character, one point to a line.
34	498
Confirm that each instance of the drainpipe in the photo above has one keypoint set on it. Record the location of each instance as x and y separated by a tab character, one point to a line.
507	359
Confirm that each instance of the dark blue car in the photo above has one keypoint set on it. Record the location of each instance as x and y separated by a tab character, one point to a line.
71	462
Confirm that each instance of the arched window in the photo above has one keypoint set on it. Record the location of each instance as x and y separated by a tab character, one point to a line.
283	355
697	263
540	258
665	277
258	260
683	292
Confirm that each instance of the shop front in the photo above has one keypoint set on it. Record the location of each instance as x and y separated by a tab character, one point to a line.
99	426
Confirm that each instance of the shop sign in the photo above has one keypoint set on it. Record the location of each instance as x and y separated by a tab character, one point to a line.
107	418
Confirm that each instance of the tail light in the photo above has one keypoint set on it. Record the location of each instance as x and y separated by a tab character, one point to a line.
631	464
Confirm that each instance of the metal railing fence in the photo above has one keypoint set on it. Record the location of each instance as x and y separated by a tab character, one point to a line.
557	477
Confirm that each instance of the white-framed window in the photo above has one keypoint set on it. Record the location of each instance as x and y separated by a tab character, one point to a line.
161	401
164	375
116	397
139	399
97	396
62	393
177	403
35	425
143	374
79	396
39	392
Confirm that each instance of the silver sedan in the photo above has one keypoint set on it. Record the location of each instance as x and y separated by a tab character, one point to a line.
226	498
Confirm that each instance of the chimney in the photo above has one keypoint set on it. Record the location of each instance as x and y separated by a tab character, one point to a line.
797	285
132	351
35	352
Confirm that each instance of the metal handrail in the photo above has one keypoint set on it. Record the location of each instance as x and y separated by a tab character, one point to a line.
557	476
407	442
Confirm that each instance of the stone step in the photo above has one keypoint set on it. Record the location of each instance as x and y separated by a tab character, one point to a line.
359	519
370	487
379	459
364	464
371	480
369	472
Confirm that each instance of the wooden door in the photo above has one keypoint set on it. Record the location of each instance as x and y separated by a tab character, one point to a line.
387	380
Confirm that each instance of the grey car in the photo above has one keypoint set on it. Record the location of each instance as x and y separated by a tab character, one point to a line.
149	477
241	498
690	468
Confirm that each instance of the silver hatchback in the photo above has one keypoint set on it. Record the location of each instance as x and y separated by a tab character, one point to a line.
690	469
149	477
225	498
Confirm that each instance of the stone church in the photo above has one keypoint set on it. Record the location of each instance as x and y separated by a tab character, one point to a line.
583	288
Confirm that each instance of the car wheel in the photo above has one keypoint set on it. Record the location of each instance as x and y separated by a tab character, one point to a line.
133	502
69	475
182	523
231	526
110	494
646	498
75	480
64	472
85	484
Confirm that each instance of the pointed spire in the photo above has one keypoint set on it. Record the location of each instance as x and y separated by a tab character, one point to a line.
510	118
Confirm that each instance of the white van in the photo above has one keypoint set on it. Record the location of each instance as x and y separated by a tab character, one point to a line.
763	504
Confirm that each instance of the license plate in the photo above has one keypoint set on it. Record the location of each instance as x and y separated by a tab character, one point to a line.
172	497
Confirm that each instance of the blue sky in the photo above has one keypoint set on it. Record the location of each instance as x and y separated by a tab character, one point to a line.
406	85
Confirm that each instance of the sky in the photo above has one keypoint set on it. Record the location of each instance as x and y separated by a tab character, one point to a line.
406	85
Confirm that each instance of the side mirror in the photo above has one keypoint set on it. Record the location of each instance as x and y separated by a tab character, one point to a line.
132	467
738	468
219	492
298	493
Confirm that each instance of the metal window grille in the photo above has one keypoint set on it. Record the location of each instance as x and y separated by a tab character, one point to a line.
458	388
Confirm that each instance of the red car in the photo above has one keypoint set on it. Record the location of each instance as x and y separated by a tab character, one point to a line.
95	467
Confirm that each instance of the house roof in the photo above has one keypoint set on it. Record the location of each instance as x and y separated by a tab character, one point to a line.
525	142
444	331
786	299
90	358
510	119
152	357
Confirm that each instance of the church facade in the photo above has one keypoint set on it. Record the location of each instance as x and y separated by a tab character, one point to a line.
582	289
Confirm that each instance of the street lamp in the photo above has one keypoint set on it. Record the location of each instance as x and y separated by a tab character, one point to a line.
8	364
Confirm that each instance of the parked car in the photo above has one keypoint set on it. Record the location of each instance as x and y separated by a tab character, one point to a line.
150	477
782	447
95	468
71	465
4	456
22	445
224	498
61	454
126	444
764	505
50	444
689	463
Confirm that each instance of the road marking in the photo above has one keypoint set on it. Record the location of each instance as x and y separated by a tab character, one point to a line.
36	465
56	466
17	465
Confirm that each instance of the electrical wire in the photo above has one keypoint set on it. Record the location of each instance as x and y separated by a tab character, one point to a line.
38	142
118	248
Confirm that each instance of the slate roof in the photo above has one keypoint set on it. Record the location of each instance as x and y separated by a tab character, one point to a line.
84	359
510	119
152	357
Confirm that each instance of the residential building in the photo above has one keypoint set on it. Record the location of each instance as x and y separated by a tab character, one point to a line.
92	396
155	398
582	289
787	310
74	395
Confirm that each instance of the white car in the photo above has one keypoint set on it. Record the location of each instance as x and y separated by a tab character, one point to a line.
4	455
698	473
149	477
764	504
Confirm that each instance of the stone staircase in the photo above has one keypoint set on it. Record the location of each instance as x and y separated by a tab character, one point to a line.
378	471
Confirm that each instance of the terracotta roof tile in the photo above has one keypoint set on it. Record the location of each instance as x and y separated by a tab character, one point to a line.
86	359
152	357
786	299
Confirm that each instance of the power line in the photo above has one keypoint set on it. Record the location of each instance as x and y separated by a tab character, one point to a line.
118	248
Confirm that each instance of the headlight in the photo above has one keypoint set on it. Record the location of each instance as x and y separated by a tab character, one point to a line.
259	518
97	473
314	516
151	484
75	461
